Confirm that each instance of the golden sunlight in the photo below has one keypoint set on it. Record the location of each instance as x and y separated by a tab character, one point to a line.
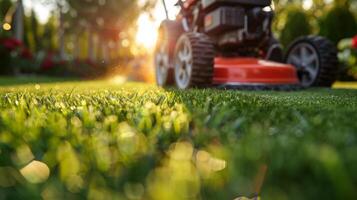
119	79
307	4
148	24
147	32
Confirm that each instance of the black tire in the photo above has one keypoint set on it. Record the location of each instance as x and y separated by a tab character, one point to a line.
169	32
199	66
327	67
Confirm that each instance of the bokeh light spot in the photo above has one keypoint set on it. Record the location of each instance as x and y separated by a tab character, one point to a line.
6	26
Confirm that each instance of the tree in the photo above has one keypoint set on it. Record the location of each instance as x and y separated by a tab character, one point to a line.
60	8
5	5
104	19
101	19
297	24
49	35
19	21
35	31
338	23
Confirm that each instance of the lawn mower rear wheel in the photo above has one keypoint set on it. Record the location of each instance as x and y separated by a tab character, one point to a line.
315	58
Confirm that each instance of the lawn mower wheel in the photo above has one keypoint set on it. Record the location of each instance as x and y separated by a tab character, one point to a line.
194	61
315	58
169	32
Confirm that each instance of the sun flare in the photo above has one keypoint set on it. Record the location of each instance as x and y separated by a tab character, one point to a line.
148	25
147	32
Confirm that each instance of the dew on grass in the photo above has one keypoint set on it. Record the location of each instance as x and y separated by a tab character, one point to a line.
207	164
35	172
177	178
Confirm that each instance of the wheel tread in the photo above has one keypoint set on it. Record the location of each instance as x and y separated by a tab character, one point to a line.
202	58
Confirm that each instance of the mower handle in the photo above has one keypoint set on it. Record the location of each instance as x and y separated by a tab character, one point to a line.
166	11
179	3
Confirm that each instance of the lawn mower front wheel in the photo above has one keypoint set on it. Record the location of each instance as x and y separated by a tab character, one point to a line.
194	61
315	59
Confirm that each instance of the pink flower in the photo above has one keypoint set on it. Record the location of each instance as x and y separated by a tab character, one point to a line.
354	42
90	62
11	43
48	62
26	53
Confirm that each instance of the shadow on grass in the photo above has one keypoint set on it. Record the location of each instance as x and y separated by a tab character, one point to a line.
26	80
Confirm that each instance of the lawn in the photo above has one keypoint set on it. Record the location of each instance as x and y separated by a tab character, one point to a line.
105	140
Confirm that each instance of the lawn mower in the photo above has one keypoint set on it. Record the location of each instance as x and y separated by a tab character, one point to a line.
230	44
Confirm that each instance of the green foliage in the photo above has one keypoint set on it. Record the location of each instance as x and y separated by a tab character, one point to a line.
297	24
101	140
74	68
5	5
338	23
348	60
49	36
33	34
27	39
108	21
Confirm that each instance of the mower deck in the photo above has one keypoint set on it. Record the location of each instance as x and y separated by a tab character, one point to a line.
252	71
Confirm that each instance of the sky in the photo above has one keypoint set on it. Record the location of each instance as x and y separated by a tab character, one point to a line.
42	11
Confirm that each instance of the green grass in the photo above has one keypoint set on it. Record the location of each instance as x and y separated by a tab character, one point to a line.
101	140
10	81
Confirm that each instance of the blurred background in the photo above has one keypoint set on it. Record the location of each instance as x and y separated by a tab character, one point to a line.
99	38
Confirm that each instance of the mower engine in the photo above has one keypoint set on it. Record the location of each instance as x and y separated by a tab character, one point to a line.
238	23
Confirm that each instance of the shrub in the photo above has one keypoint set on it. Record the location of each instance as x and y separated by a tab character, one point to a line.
338	23
53	66
354	42
348	59
14	56
296	25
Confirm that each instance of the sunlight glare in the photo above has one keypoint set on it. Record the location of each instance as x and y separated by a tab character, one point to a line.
147	26
307	4
147	32
119	79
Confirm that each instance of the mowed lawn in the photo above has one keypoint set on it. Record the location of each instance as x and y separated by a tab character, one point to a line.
111	140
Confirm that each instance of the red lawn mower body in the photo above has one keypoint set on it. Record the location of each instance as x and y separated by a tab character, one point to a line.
252	71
